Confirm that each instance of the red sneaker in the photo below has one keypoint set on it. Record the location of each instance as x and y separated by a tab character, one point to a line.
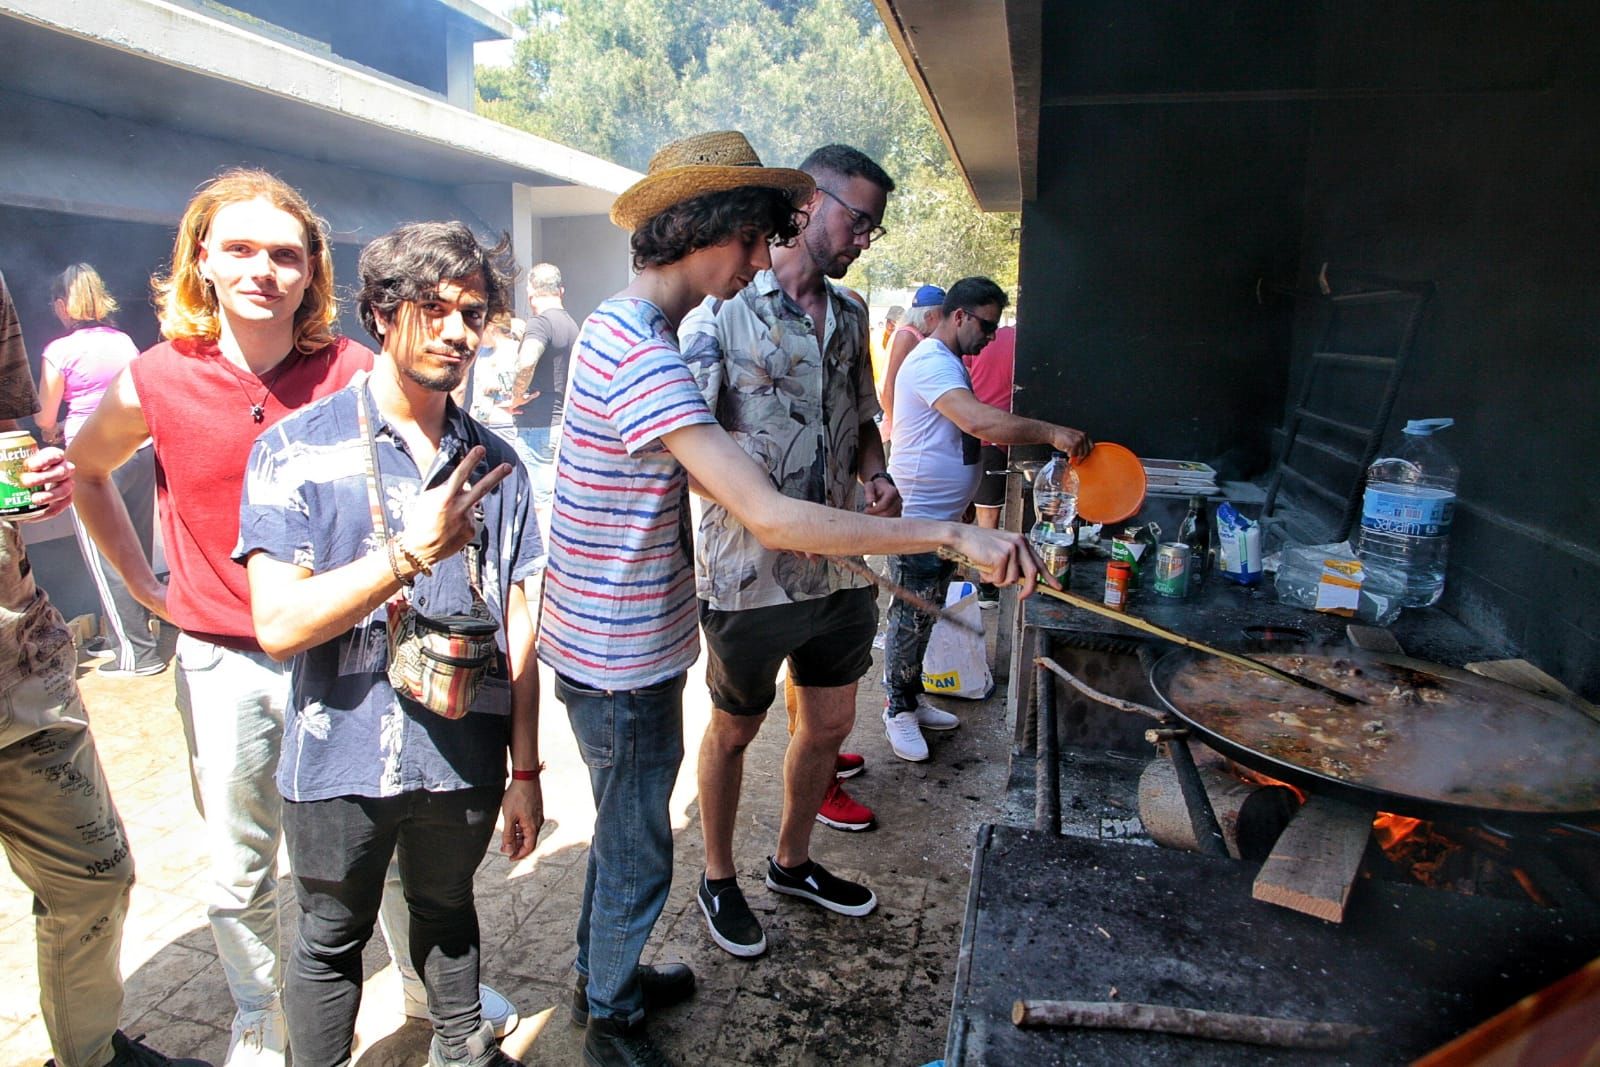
849	764
841	812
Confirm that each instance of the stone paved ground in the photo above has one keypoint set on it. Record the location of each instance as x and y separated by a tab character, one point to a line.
830	990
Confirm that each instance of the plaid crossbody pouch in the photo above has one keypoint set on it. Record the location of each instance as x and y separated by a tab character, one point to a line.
438	661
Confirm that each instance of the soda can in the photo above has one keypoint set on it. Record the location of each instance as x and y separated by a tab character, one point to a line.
16	499
1129	548
1055	558
1172	570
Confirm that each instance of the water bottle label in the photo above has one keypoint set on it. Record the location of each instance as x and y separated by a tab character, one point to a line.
1416	513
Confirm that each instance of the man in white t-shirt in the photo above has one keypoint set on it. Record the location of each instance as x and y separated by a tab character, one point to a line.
938	424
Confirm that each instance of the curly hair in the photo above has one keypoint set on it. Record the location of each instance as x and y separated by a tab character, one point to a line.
84	296
407	264
709	220
186	304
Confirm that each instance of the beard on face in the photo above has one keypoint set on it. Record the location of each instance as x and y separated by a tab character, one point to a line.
440	379
827	260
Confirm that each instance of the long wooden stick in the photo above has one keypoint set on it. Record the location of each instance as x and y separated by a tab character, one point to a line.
1094	694
1137	623
900	592
1191	1022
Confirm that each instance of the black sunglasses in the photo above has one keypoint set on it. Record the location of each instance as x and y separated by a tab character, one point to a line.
989	326
861	224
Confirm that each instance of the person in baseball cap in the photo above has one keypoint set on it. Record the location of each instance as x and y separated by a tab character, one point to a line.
927	308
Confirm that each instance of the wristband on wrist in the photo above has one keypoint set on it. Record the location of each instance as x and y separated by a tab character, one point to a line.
394	563
526	776
411	557
884	475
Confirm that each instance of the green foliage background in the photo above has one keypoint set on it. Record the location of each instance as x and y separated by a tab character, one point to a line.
619	78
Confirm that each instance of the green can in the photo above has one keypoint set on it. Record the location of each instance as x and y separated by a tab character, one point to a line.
16	499
1172	570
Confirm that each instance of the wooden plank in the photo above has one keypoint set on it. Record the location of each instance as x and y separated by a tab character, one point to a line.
1524	675
1372	639
1314	864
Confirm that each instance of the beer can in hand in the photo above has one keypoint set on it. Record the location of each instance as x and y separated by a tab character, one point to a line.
16	499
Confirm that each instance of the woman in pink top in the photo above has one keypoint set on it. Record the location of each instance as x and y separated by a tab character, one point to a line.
77	369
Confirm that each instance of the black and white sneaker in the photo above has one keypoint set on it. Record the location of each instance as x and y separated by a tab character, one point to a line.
818	886
728	918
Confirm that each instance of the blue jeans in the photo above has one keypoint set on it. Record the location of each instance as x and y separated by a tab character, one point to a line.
339	851
909	629
536	447
632	743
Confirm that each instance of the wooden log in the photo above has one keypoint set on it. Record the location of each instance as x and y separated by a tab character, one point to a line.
1314	864
1191	1022
1252	815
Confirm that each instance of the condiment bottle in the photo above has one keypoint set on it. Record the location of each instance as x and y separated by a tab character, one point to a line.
1195	531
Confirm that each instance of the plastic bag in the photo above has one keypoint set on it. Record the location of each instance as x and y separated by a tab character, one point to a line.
1330	578
956	663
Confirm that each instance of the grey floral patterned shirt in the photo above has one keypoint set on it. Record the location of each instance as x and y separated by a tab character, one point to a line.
799	411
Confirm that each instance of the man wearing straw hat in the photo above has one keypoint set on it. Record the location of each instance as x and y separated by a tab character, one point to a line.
618	623
786	367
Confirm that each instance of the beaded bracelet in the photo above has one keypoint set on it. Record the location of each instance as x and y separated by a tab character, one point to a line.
394	563
411	557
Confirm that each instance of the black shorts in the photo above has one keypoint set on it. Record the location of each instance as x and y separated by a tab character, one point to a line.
992	489
828	643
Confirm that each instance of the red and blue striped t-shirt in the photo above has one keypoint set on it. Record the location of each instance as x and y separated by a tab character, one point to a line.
619	609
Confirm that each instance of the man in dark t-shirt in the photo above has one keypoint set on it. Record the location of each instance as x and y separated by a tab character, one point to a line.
542	378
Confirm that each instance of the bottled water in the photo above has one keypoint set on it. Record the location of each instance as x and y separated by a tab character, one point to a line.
1406	513
1055	505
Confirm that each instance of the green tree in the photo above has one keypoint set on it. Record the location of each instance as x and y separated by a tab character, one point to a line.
618	78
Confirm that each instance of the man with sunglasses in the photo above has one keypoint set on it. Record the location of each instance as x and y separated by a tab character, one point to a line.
786	368
935	462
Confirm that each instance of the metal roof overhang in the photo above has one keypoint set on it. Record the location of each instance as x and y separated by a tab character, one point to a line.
976	66
169	67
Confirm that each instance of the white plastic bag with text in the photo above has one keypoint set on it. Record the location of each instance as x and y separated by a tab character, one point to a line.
956	663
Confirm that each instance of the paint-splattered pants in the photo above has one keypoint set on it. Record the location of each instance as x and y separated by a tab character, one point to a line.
909	629
65	841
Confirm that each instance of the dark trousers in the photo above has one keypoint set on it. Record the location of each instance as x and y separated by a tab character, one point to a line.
339	850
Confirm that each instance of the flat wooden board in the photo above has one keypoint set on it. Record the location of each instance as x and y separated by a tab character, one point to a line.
1372	638
1314	864
1524	675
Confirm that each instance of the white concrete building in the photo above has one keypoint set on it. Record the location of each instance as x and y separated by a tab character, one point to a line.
115	110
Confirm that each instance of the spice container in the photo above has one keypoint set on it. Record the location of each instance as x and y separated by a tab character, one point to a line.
1118	575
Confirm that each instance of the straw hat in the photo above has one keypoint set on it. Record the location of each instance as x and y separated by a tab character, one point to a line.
704	163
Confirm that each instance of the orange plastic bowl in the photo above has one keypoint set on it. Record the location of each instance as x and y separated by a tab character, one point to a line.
1111	484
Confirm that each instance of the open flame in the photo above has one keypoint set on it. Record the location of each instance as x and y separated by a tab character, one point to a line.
1393	829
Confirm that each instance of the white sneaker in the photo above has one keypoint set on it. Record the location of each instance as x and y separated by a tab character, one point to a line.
905	736
496	1009
932	718
259	1039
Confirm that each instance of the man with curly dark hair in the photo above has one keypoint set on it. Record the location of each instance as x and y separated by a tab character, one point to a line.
381	504
619	611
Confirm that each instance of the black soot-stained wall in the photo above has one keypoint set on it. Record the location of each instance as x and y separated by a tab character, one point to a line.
1189	151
